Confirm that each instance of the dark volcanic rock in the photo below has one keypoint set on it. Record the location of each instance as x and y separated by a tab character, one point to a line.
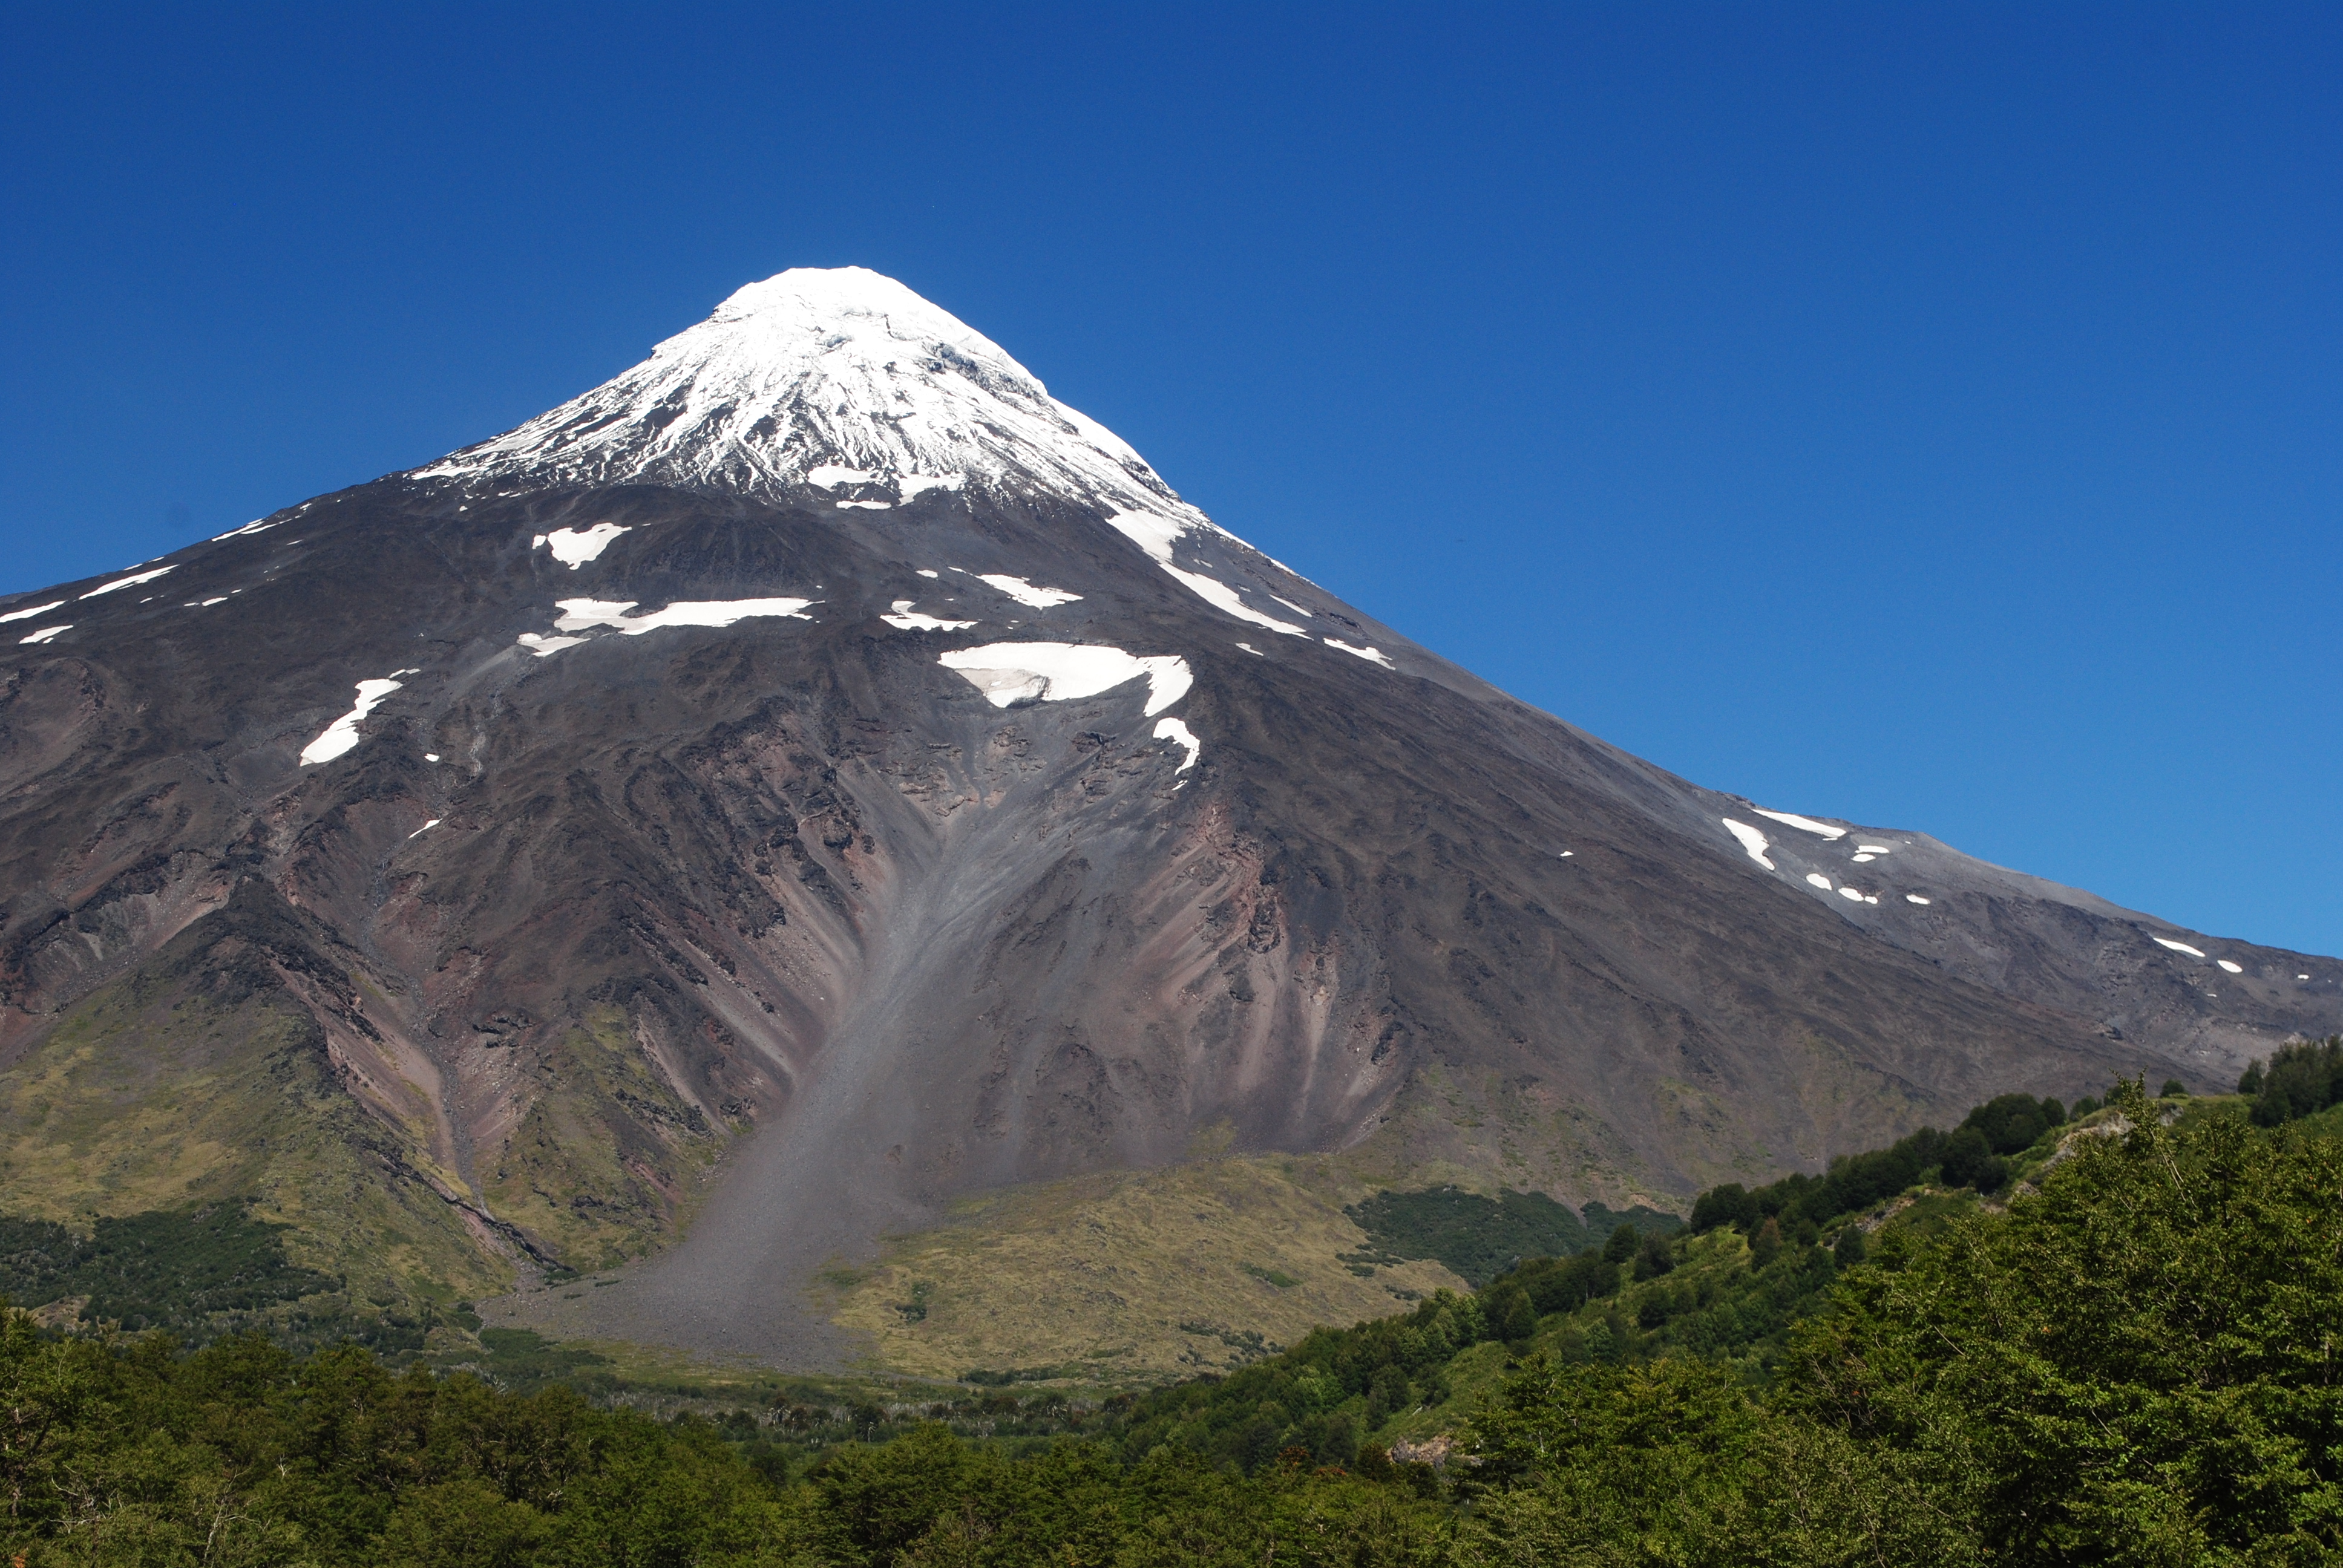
599	884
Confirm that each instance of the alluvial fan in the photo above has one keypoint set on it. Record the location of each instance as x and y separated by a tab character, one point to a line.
817	774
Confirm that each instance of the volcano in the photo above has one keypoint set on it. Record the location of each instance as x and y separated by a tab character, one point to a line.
817	775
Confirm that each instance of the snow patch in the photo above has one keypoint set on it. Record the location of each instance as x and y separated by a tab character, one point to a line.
43	635
1751	839
1292	605
573	548
912	486
1024	592
1156	534
1010	672
343	732
1850	893
829	476
1913	898
2233	969
431	757
253	527
2179	947
1223	598
426	827
1871	849
1150	531
1253	650
1808	823
1865	860
29	614
926	573
132	581
1372	654
906	619
583	614
546	646
1819	880
865	506
1173	729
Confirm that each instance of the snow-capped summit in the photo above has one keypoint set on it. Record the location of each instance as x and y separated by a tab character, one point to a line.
834	379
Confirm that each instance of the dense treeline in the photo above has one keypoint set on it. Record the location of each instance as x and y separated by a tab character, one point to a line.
1973	1154
2299	1079
165	1269
2140	1362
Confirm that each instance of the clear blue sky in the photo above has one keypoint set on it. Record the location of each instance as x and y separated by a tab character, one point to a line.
1927	416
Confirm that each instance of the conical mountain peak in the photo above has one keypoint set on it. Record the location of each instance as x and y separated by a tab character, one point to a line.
840	381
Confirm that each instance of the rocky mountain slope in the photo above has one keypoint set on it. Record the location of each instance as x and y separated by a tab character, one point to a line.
820	732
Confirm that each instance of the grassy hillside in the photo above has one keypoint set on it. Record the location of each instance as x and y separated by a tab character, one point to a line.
143	1100
1131	1276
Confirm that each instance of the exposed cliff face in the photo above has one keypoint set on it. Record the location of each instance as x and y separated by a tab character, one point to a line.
821	730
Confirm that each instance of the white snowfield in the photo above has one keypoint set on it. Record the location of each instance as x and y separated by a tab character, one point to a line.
29	614
1751	839
1026	593
1156	533
578	614
824	377
132	581
1010	672
343	732
2233	969
1808	823
573	548
2180	947
43	635
906	619
257	525
1173	729
1372	654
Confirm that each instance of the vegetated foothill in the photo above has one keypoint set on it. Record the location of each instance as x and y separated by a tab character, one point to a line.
2133	1361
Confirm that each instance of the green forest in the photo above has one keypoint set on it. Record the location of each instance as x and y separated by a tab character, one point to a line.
2106	1335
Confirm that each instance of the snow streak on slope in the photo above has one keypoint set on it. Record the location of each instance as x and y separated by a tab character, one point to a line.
1010	672
573	548
343	732
837	378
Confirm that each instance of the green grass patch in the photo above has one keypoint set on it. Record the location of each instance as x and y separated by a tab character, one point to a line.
1477	1237
1278	1277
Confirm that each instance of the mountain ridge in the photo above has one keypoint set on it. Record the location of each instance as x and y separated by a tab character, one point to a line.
764	858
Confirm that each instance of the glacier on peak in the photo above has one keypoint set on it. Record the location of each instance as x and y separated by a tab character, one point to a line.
843	386
825	378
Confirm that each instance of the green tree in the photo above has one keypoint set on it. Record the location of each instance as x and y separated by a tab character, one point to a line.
1850	1248
2142	1362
